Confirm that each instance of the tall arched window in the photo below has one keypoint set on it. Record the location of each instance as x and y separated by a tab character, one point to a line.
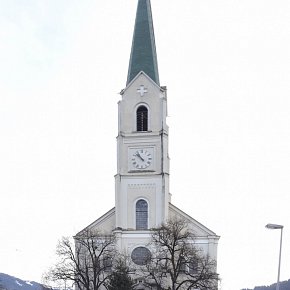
142	118
141	215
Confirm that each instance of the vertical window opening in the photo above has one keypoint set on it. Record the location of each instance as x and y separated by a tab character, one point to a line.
142	118
141	215
192	267
107	263
182	265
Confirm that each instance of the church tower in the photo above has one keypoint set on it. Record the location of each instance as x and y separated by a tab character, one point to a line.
142	180
142	197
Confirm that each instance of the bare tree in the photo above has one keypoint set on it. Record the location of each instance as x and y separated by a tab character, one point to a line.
86	263
176	263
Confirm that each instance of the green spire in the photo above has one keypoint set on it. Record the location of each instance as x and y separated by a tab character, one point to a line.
143	52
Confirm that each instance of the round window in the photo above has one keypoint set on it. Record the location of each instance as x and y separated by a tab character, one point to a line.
140	256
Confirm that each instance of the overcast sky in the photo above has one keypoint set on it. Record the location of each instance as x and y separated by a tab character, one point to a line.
226	64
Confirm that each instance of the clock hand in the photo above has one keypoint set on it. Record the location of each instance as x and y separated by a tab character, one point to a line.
138	154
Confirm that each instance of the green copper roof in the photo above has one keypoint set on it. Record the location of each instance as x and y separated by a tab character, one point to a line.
143	53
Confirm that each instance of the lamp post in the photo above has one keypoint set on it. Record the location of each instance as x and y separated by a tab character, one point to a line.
279	227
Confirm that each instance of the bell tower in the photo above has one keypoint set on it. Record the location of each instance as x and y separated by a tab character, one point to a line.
142	180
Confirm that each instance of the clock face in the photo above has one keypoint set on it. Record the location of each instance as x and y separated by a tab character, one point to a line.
141	159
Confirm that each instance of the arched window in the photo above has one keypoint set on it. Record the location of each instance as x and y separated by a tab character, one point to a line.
142	118
141	215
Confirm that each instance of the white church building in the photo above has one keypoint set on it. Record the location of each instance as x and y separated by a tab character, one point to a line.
142	195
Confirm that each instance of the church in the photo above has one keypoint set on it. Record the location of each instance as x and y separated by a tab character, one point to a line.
142	195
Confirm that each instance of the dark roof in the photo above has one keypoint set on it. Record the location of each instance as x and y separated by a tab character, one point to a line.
143	52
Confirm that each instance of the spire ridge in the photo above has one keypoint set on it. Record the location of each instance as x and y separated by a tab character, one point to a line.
143	52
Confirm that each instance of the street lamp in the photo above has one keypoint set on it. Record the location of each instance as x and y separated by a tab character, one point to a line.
277	227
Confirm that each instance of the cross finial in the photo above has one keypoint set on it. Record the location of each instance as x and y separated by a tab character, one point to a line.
142	90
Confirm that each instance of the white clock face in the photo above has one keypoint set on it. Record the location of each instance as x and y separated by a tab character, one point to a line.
141	159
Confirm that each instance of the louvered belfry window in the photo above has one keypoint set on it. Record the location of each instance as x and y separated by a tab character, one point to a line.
142	119
141	215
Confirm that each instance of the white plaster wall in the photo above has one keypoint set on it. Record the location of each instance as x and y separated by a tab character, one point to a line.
133	188
154	99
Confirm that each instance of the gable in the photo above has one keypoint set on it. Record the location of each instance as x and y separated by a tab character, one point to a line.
143	78
105	224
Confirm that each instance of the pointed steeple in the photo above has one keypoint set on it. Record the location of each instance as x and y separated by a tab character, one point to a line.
143	52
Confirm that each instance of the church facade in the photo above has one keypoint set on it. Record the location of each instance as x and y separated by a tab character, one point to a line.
142	196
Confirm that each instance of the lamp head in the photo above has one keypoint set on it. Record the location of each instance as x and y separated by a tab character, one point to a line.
274	226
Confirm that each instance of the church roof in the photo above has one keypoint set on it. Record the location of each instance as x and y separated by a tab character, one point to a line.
143	52
198	228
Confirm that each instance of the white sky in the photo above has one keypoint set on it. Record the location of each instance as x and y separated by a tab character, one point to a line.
226	64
